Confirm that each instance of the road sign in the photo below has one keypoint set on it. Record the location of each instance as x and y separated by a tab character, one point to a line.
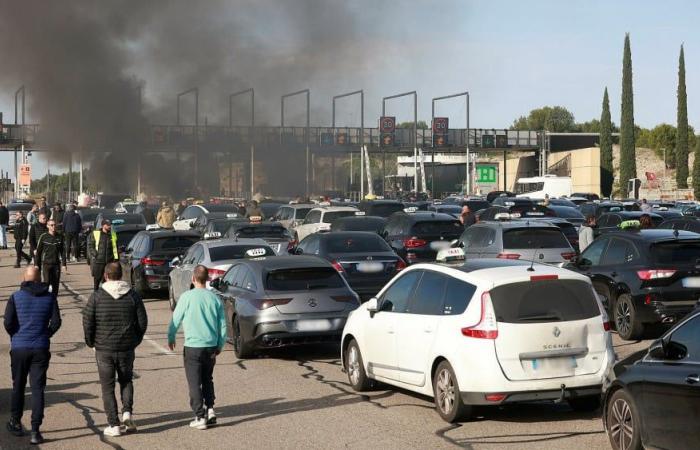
25	175
486	174
501	141
341	138
441	126
488	141
387	124
326	138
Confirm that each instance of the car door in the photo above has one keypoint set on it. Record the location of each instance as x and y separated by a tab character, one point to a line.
380	344
588	263
416	330
310	224
194	254
125	257
619	255
670	403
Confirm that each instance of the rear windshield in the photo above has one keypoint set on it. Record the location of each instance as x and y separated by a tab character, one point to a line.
357	225
235	252
531	210
19	207
222	225
370	243
173	242
544	301
303	279
263	231
329	217
476	205
222	208
384	210
440	228
534	238
676	253
569	213
568	230
129	219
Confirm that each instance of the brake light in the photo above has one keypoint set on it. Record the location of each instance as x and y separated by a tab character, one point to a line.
337	266
215	273
543	277
147	261
655	274
568	255
414	242
400	265
487	327
607	325
508	256
265	303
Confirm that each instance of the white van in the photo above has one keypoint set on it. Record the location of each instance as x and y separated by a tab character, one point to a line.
537	187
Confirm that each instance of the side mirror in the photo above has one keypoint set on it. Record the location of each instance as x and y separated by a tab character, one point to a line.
215	283
298	251
657	350
372	305
175	262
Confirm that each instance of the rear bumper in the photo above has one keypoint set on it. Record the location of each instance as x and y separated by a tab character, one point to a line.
478	398
156	281
664	311
285	333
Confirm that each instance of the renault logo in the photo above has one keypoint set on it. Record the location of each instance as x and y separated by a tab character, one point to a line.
369	258
312	302
556	332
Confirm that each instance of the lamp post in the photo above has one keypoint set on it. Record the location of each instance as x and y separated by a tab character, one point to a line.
468	173
362	133
415	137
195	91
308	119
252	131
21	134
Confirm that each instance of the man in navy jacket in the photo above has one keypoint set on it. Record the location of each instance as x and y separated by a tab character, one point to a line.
31	318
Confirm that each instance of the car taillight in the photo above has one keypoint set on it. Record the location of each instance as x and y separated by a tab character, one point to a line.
543	277
147	261
568	255
655	274
344	298
337	266
265	303
400	265
414	242
607	325
495	397
508	256
215	273
487	327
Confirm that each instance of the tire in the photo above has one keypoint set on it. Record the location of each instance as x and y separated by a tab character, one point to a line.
138	286
622	419
626	322
171	298
585	404
448	400
240	348
355	367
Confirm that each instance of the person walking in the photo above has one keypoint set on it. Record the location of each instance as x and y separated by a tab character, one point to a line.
44	208
57	214
147	212
114	323
35	232
4	222
645	206
204	319
32	215
21	232
32	317
467	217
102	245
49	256
166	216
585	234
72	225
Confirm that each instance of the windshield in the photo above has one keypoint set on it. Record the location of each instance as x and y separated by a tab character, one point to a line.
221	225
173	242
235	251
263	231
303	279
355	244
442	227
524	188
384	209
536	238
329	217
676	253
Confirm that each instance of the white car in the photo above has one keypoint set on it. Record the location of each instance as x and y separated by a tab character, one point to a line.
319	219
489	332
193	212
292	215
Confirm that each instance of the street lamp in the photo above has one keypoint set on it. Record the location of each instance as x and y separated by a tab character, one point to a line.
196	129
415	136
308	118
21	134
362	134
468	173
252	132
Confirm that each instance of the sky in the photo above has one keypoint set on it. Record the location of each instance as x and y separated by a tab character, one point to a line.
512	56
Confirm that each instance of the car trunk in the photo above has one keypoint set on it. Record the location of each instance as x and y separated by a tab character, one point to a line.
366	269
676	269
543	245
159	261
548	328
308	289
436	236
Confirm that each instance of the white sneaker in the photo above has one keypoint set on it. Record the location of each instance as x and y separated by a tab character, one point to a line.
211	416
199	423
128	422
112	431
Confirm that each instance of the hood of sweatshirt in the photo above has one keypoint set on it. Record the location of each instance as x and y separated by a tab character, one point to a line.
35	288
116	288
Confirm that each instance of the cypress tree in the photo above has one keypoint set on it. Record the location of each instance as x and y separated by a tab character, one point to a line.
682	128
606	149
628	164
696	170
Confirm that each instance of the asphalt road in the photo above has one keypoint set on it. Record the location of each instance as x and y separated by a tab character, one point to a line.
296	398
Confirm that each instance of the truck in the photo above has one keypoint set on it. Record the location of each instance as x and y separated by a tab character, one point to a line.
537	187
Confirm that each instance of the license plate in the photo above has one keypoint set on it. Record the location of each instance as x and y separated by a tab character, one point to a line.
313	325
439	245
691	282
370	267
554	363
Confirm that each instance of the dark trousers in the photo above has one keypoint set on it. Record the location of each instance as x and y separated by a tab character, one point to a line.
51	275
71	244
32	251
121	363
20	253
32	363
199	370
98	271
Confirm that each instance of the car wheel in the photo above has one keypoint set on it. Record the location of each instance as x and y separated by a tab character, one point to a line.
448	399
138	286
623	422
626	322
171	298
356	368
585	404
240	347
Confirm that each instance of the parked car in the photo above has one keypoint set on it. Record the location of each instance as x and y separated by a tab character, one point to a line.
320	219
381	208
276	235
653	398
192	212
125	233
569	214
648	279
419	236
686	223
667	213
118	219
200	223
292	215
611	221
521	210
374	224
598	209
283	301
535	333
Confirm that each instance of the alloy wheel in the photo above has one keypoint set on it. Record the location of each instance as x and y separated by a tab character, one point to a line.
237	336
354	365
623	317
621	424
445	391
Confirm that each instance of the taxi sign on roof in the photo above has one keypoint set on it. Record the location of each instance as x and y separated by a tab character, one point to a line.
256	252
255	218
117	221
360	213
231	215
411	209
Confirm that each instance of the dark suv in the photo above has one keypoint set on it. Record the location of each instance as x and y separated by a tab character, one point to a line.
646	278
417	237
611	221
381	208
598	209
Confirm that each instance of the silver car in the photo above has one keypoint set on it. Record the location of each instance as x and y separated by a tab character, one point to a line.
283	301
217	256
292	215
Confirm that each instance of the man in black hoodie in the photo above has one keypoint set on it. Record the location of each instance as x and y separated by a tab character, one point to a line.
114	323
49	255
21	232
35	233
72	224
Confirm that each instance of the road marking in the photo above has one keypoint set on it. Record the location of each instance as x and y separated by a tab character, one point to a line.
154	343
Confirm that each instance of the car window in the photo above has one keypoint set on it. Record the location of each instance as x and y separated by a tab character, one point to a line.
438	228
427	298
224	252
231	275
593	252
173	242
619	252
133	245
143	246
284	213
299	213
457	296
313	217
248	280
676	253
303	279
614	220
688	335
190	212
534	238
330	217
471	236
310	245
396	298
196	255
603	221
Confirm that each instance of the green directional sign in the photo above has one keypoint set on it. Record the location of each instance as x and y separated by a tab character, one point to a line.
486	174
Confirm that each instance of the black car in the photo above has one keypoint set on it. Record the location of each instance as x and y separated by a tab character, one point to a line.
374	224
491	196
667	214
523	210
118	219
587	195
381	208
568	228
451	209
146	259
215	226
512	201
686	223
569	214
125	233
274	233
417	237
363	258
422	205
598	209
200	223
611	221
13	207
270	208
653	399
647	279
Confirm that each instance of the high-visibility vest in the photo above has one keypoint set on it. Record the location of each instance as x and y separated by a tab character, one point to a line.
96	238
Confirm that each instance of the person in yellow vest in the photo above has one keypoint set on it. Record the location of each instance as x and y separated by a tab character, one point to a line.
102	245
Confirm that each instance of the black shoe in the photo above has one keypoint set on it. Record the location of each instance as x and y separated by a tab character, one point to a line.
15	427
37	438
16	266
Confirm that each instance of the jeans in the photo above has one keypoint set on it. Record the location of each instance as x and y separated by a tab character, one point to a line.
32	363
199	370
98	271
121	363
71	244
19	245
3	236
51	275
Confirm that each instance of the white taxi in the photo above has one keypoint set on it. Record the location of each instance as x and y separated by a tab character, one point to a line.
319	219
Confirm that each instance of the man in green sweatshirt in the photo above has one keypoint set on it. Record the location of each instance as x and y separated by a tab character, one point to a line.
204	318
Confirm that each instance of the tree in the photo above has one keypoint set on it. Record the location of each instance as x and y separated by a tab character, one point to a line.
682	127
606	149
696	170
550	118
628	163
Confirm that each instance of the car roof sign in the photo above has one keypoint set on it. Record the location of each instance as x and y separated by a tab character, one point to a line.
256	252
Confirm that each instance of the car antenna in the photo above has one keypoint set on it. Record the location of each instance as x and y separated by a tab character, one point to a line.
532	263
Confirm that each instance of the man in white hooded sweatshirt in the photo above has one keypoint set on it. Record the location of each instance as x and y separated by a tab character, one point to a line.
114	322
